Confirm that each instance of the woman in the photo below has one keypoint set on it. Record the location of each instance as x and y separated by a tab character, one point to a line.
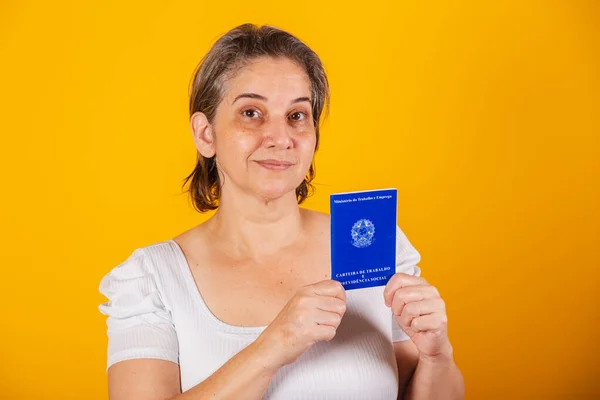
242	306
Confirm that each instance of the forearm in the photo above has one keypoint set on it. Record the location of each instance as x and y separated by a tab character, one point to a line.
246	375
436	379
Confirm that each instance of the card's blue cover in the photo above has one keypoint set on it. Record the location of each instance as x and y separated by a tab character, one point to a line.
363	237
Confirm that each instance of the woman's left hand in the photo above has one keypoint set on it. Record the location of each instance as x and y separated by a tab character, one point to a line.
420	312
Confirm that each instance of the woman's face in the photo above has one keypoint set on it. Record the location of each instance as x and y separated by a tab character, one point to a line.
263	132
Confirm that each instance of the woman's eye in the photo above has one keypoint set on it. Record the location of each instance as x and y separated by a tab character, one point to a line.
298	116
250	113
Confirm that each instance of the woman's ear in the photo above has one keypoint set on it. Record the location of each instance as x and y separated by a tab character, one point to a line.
203	134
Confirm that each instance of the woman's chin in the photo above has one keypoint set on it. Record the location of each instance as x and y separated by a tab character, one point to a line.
273	192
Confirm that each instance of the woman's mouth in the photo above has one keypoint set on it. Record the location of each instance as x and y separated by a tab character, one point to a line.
275	164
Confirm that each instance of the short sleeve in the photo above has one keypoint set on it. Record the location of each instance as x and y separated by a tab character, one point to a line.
138	324
407	258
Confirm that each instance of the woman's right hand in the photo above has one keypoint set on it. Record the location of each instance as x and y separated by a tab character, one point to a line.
312	315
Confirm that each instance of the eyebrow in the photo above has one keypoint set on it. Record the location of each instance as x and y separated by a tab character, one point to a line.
263	98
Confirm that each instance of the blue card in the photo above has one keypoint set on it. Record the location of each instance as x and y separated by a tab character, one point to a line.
363	237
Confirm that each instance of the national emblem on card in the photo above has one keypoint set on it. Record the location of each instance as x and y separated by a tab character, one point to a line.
363	232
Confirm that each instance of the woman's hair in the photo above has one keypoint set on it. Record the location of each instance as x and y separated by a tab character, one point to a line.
230	53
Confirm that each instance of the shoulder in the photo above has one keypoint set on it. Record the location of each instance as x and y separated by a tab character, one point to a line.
197	236
407	256
318	224
317	219
132	266
140	269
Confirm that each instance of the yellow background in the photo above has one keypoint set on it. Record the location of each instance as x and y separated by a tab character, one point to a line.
484	114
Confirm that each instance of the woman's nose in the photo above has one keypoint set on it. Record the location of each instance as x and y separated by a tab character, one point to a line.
279	134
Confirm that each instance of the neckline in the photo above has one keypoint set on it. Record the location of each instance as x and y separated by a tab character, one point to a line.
193	289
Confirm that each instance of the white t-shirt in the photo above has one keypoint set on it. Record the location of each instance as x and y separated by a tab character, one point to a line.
156	311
